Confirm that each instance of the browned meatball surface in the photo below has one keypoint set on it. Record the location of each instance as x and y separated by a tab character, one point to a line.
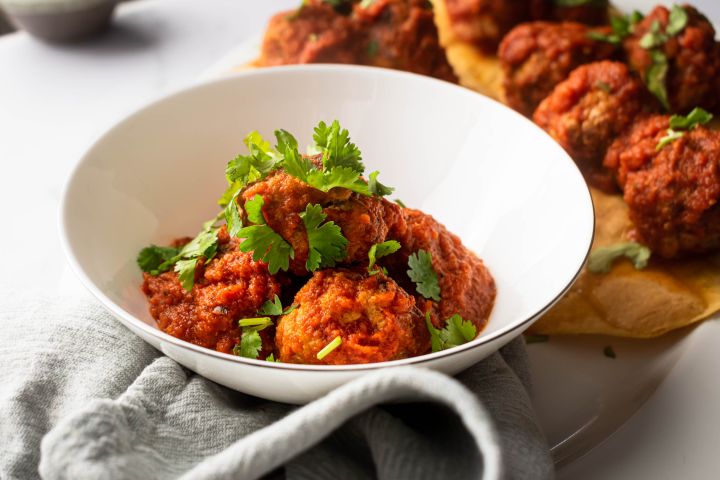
586	112
229	287
536	56
364	220
399	34
593	12
375	318
466	287
693	59
672	193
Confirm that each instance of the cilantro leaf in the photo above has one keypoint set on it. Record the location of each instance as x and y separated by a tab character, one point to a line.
245	169
271	307
267	246
655	77
400	202
423	274
670	137
186	272
696	117
327	349
601	259
326	243
377	188
232	216
250	345
338	177
380	250
457	331
338	150
654	38
150	259
271	358
253	209
622	26
677	21
294	164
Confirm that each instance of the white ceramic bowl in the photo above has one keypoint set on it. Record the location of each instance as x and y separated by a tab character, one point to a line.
490	175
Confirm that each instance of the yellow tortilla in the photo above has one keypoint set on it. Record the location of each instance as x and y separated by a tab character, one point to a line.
474	70
624	302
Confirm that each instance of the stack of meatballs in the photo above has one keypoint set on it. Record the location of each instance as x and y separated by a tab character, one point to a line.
379	316
590	89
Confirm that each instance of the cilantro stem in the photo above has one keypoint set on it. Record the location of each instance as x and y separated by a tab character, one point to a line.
255	322
327	349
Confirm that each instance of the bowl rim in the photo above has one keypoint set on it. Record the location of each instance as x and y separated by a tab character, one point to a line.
131	321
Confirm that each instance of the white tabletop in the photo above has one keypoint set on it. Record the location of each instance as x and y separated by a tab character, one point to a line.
55	100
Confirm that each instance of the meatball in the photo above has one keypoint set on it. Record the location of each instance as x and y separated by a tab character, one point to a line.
636	147
401	34
466	286
314	33
375	318
536	56
364	220
483	23
673	194
229	287
693	59
587	111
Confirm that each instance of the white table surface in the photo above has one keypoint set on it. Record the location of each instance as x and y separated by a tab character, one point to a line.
55	100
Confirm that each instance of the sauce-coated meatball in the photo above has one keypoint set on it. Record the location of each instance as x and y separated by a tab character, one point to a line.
536	56
375	318
229	287
673	193
693	59
466	287
364	220
586	112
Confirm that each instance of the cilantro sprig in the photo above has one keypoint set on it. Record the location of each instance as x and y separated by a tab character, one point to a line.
379	250
274	308
601	259
656	74
264	243
326	243
622	26
457	331
679	124
250	341
329	348
156	260
423	274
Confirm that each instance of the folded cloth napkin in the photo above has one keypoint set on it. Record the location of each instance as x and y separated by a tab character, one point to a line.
83	398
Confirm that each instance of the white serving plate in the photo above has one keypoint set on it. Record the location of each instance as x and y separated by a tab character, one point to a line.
489	174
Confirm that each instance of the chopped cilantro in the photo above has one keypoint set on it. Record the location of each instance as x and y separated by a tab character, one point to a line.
153	259
609	352
245	169
373	48
186	272
271	307
267	246
338	177
457	331
692	120
253	209
377	188
232	216
380	250
529	339
326	243
250	344
601	259
677	21
423	274
260	322
603	86
655	77
654	38
622	26
336	147
327	349
271	358
400	202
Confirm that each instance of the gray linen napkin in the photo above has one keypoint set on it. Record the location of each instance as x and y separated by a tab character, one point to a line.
83	398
